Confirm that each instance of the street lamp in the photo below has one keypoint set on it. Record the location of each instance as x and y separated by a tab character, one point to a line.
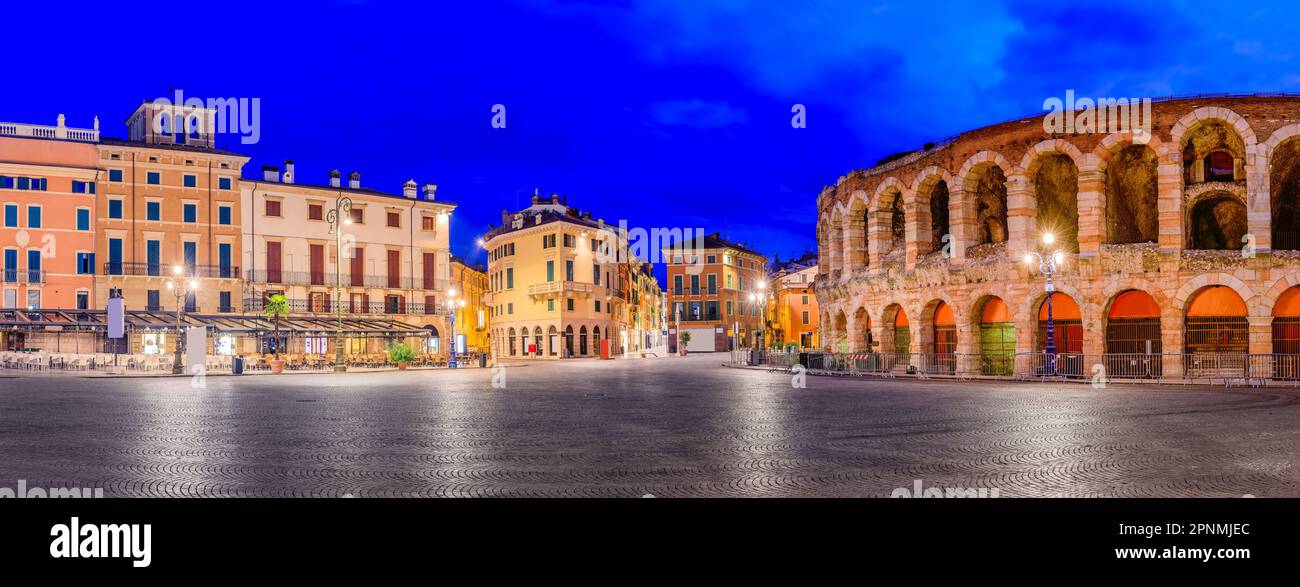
341	214
452	304
180	289
1047	265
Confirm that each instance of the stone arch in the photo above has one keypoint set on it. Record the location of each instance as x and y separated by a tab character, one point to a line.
1052	168
932	200
994	323
862	337
841	341
855	232
1130	170
1178	302
985	178
1282	154
887	220
1215	220
1189	122
896	334
1267	300
1199	136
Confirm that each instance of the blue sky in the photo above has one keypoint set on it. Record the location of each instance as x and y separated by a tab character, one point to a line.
666	114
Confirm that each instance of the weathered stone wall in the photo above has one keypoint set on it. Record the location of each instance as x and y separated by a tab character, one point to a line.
1140	197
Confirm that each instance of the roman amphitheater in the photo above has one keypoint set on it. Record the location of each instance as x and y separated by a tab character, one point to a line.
1181	253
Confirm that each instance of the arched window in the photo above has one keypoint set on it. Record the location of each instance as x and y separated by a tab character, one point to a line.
582	341
1219	166
512	342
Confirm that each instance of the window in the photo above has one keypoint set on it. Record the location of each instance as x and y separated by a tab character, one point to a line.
550	305
223	183
677	285
358	215
83	219
85	263
568	270
115	209
223	303
569	241
153	178
569	304
11	215
711	310
223	215
83	300
510	308
713	284
426	223
550	271
153	210
731	309
805	317
190	180
23	183
548	241
595	273
83	187
394	220
510	277
115	175
315	212
695	285
152	300
711	259
597	306
191	212
33	216
805	300
272	207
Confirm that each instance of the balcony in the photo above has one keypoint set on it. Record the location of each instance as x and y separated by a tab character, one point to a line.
29	276
324	308
552	288
41	131
164	270
263	276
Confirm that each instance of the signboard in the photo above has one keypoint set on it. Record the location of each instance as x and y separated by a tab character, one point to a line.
196	348
116	318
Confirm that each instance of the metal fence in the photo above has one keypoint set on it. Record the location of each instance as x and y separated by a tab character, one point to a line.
1177	368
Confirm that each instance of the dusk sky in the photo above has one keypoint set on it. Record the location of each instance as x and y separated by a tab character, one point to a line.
666	114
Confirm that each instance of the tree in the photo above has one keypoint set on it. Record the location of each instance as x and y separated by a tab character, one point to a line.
276	307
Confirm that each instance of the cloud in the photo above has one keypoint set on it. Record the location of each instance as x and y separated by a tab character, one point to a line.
696	113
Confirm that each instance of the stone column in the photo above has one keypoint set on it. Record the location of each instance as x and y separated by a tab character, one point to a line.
878	235
961	220
1259	213
1092	207
1261	343
917	236
1022	217
1171	341
1169	194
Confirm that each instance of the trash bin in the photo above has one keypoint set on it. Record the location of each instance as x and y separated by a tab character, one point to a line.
482	360
237	366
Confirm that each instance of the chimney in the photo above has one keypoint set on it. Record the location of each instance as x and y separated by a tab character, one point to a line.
354	180
334	178
288	171
537	195
408	189
555	198
430	191
270	173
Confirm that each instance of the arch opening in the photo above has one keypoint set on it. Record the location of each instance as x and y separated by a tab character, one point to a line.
943	344
1284	183
1218	222
989	194
1132	197
939	223
1066	321
1056	191
997	337
1215	323
1286	333
1213	152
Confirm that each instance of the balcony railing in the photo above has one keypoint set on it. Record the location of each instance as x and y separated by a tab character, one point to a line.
42	131
15	275
327	278
551	287
165	270
304	306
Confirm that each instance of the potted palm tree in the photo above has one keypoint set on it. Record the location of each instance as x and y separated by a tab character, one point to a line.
684	339
401	353
275	308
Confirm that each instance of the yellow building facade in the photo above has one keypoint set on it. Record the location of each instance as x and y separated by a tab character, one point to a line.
470	283
793	311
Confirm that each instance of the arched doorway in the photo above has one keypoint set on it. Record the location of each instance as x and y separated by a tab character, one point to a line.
863	320
511	338
1216	334
944	345
595	340
432	342
1286	334
553	341
537	341
896	320
568	341
582	341
1067	333
1216	323
997	338
1133	337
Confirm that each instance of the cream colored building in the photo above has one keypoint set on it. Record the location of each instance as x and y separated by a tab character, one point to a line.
552	294
396	262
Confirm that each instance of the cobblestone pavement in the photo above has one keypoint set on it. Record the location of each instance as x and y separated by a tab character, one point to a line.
668	427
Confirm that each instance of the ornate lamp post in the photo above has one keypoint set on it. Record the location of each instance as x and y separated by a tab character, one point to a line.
180	288
1047	265
452	304
760	297
340	215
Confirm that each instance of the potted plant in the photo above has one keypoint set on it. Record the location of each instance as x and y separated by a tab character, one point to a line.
401	353
275	308
683	340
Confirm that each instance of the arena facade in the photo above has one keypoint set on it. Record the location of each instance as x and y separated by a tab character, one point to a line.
1181	249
